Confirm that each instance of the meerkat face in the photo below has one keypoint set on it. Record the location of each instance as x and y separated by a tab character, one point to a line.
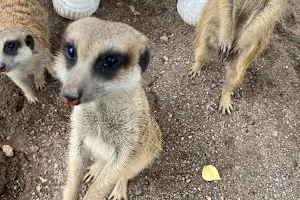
17	48
100	58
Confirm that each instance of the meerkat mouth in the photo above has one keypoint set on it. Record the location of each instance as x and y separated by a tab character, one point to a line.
2	69
72	102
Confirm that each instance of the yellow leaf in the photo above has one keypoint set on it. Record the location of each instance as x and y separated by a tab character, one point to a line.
43	179
210	173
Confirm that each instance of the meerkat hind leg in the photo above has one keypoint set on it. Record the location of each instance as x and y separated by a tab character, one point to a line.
205	46
201	54
120	190
195	70
134	168
234	75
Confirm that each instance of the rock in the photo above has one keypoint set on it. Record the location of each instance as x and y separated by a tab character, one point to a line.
165	58
138	192
164	38
275	133
15	188
133	10
8	150
38	188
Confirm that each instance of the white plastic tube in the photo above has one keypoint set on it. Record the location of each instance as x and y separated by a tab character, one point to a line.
75	9
189	10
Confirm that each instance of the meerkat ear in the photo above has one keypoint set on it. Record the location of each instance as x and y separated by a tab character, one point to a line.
29	41
144	59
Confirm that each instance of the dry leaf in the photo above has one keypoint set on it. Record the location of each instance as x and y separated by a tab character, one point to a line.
8	150
210	173
43	179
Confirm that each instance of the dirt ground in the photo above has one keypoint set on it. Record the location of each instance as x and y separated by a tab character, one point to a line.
256	149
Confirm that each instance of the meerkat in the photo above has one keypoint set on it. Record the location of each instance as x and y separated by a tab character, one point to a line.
239	30
24	39
100	68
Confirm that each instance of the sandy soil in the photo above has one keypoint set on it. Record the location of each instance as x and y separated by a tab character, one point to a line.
256	149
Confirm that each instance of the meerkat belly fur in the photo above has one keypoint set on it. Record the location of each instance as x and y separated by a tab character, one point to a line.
100	67
25	44
239	30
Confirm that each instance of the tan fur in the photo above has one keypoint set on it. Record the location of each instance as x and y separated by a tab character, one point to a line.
239	30
20	18
113	123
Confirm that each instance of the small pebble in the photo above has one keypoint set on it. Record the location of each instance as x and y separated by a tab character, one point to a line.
138	192
164	38
275	133
38	188
165	58
8	150
134	11
15	188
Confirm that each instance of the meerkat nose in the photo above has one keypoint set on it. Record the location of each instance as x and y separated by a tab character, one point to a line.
2	67
71	99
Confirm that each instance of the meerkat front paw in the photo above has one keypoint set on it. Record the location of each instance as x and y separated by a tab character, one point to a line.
41	85
225	104
120	191
93	173
234	51
31	98
225	45
195	71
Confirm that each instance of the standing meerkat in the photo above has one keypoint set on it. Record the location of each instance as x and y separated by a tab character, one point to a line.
100	67
239	30
24	40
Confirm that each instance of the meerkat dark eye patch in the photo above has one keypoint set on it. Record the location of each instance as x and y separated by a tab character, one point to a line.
70	54
29	41
11	47
108	64
144	60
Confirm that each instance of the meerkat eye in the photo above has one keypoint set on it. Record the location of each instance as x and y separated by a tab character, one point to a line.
111	61
11	47
70	53
107	64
